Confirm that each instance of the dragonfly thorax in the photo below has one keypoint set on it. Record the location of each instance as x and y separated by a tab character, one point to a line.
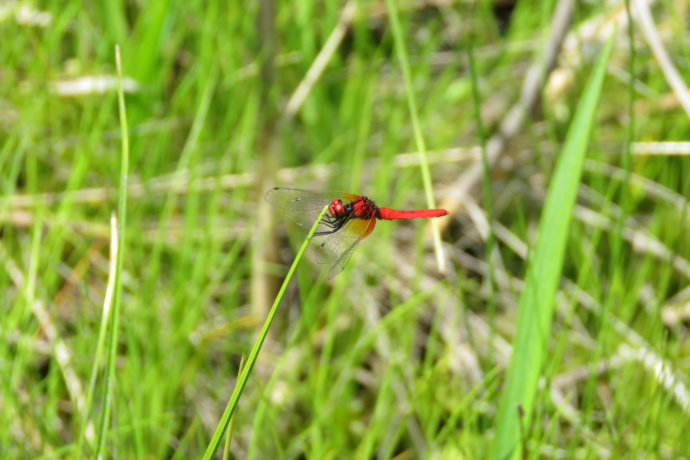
361	208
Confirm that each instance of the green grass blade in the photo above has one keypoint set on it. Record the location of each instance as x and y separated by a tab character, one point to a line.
122	211
228	435
543	274
244	376
401	52
102	334
490	241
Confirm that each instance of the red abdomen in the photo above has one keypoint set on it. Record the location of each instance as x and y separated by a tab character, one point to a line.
392	214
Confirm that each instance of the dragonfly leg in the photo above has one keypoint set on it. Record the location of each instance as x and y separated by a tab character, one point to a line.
334	224
329	232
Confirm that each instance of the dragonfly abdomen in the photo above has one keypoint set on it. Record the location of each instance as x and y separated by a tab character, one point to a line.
393	214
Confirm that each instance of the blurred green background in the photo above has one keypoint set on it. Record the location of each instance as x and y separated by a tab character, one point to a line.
393	358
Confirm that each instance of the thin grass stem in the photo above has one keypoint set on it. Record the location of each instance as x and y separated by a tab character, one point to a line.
244	376
122	211
401	52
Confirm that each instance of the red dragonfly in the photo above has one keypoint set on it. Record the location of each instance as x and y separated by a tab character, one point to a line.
349	219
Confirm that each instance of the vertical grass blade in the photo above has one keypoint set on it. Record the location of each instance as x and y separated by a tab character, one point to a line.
401	52
102	335
122	211
543	274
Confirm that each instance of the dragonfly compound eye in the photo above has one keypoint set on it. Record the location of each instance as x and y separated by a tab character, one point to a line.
336	208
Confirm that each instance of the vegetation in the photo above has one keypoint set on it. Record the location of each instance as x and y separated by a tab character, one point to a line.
549	319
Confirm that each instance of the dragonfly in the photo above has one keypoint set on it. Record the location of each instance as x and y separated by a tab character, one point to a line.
350	218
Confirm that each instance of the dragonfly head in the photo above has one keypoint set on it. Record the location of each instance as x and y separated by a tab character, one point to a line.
337	208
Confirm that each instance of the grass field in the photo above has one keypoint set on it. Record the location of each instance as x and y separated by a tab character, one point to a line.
546	317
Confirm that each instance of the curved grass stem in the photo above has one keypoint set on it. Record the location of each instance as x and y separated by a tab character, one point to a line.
244	376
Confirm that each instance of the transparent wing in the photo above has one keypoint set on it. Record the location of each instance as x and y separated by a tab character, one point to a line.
336	249
335	245
304	206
